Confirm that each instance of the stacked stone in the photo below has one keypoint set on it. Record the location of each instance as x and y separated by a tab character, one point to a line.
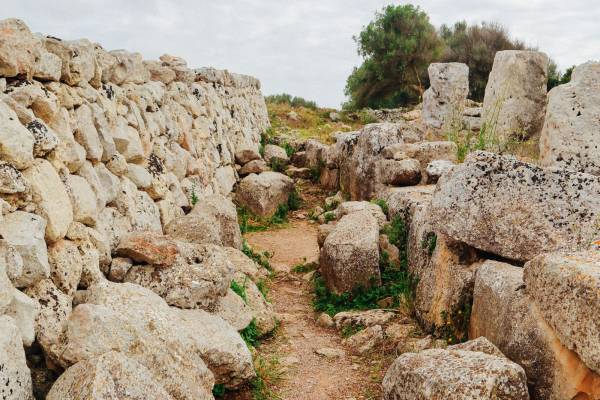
101	154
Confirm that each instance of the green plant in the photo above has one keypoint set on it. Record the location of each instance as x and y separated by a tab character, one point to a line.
261	259
383	205
329	216
263	288
350	330
304	267
315	171
277	164
251	334
248	223
455	325
194	197
429	242
294	101
289	149
366	117
240	289
219	390
281	214
268	374
294	200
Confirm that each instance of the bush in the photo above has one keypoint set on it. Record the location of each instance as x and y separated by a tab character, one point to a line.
239	289
251	334
295	101
329	216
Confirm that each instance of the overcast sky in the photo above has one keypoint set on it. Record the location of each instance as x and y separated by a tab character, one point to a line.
302	47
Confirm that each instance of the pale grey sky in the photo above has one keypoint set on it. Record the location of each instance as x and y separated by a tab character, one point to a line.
302	47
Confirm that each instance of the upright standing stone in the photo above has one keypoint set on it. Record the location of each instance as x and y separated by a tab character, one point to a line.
572	127
445	98
515	96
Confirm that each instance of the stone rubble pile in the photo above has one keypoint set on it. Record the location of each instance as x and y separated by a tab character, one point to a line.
503	251
119	241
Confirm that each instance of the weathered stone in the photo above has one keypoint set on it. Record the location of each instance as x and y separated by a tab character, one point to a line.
111	375
480	344
454	374
350	207
86	133
325	321
564	287
45	140
16	142
276	154
253	167
139	176
148	247
243	264
572	122
128	68
78	61
11	180
117	317
18	49
244	156
365	340
362	318
399	173
15	377
23	311
514	209
83	200
221	211
119	268
138	207
350	255
435	169
263	193
515	94
446	97
55	308
66	264
25	232
233	309
51	198
200	274
507	317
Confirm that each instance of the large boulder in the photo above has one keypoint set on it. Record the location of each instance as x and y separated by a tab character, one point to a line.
423	152
445	98
263	193
16	142
454	375
50	197
111	375
199	275
221	212
350	255
504	314
573	121
516	210
515	95
19	49
357	155
564	288
276	155
138	323
15	377
25	232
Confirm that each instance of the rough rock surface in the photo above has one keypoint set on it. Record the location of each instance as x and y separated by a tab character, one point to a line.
111	375
447	94
350	255
15	378
454	374
148	247
514	209
515	94
507	317
573	121
263	193
564	287
199	275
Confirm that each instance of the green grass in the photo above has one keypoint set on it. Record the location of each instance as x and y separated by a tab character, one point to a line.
289	149
429	243
350	330
268	374
277	165
315	171
251	334
194	197
251	223
329	216
304	267
396	281
219	390
383	205
263	288
240	289
455	327
261	259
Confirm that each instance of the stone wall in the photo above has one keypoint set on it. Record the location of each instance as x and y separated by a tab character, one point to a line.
95	145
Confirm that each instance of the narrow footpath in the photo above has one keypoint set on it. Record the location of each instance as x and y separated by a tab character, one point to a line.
307	375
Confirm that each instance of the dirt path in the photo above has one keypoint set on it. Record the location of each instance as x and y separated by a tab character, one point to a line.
308	376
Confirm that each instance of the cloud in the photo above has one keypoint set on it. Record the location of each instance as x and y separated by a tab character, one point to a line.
303	47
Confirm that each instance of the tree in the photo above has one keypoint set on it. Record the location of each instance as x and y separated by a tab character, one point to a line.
397	47
476	46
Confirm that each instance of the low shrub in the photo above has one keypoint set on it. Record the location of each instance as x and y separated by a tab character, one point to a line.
261	259
239	289
251	334
329	216
383	205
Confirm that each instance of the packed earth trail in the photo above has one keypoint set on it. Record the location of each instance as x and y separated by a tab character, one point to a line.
295	346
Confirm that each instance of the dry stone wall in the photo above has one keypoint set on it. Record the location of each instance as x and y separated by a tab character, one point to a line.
96	146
